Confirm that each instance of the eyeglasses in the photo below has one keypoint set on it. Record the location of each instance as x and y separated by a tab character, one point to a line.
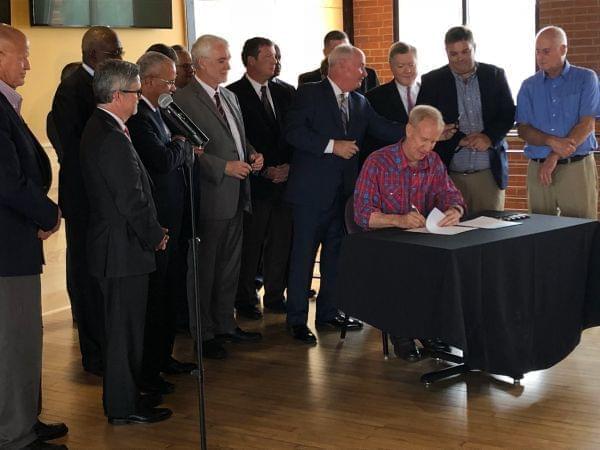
138	92
169	82
118	53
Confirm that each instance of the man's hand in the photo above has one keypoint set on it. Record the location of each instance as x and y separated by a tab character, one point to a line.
198	150
277	174
450	130
451	217
43	235
163	244
563	147
477	141
257	160
546	168
345	149
411	220
237	169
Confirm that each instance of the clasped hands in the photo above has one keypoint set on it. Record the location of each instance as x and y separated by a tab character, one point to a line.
476	141
561	148
277	174
241	169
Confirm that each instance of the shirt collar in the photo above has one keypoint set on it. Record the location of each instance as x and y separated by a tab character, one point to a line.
403	160
563	74
13	97
88	69
255	84
336	90
114	116
150	105
469	78
209	89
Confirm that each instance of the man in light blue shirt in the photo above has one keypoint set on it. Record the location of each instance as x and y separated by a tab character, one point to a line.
556	111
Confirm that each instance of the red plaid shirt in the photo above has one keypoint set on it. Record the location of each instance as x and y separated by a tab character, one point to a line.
389	185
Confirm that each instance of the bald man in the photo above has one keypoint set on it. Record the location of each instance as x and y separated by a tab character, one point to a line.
556	110
72	106
27	217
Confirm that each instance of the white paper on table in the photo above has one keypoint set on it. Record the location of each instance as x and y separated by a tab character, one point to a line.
431	225
488	223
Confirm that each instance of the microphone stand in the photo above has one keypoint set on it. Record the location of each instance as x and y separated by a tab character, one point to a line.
194	241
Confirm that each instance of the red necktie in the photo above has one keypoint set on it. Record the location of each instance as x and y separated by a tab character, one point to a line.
409	101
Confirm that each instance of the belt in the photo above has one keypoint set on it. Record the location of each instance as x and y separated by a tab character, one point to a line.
467	172
569	160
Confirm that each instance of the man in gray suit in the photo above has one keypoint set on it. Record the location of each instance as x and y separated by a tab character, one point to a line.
222	177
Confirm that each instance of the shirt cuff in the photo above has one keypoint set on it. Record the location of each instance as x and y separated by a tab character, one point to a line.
329	148
460	209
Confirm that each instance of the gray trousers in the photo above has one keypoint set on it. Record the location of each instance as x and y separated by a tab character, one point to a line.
219	259
20	359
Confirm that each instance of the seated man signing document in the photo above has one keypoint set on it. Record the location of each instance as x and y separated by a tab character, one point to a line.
400	184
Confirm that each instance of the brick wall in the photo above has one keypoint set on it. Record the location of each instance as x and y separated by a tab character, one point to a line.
374	31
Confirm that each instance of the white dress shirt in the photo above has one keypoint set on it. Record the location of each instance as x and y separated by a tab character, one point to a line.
257	87
414	92
230	119
337	92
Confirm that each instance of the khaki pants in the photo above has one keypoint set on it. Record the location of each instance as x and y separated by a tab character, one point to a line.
479	190
572	193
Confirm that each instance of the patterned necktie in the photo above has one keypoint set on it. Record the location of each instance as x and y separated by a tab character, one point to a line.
264	99
344	111
409	101
220	109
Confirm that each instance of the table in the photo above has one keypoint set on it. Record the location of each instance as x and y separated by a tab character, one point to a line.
513	299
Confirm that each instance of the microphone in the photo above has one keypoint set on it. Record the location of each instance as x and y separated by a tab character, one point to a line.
181	120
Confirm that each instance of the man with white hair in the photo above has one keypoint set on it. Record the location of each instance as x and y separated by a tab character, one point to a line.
223	173
324	126
556	110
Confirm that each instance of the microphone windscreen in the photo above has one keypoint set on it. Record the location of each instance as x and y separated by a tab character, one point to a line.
164	100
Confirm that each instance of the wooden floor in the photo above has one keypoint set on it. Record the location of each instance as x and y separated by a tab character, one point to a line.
282	394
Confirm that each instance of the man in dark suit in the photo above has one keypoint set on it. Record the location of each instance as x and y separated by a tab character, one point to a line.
325	122
395	100
478	108
163	156
27	217
72	106
275	78
223	172
331	41
123	235
268	229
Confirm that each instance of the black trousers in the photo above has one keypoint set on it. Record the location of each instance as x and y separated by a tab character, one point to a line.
267	231
125	314
161	311
84	294
314	226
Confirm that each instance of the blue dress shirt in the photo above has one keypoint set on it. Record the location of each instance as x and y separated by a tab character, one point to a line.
555	105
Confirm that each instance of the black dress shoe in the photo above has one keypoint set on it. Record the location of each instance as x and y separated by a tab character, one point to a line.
39	444
174	367
249	312
49	431
337	323
239	335
212	349
436	345
276	307
157	386
148	401
406	349
303	334
147	415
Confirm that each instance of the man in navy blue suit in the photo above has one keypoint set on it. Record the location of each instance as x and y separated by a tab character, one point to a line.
325	125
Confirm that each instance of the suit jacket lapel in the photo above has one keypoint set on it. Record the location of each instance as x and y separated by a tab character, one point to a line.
239	121
332	104
209	103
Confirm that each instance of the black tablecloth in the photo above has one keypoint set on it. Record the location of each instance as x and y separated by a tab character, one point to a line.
513	299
